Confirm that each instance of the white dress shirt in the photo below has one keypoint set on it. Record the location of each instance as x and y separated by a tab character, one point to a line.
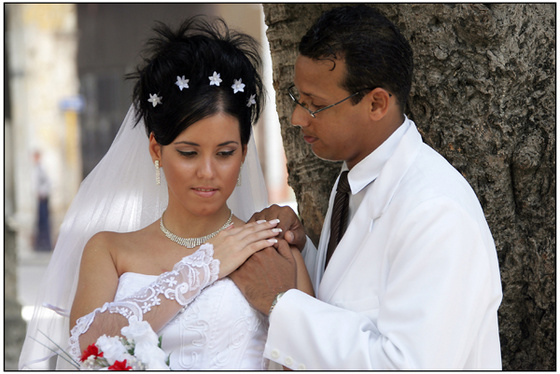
413	284
365	172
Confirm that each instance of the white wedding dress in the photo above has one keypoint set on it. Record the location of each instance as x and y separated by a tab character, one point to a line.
219	330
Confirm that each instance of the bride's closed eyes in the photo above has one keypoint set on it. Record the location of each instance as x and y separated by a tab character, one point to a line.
190	154
227	153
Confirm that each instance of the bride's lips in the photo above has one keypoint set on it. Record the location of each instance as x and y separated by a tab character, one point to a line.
204	191
309	139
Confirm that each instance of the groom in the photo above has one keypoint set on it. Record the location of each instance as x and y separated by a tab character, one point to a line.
406	275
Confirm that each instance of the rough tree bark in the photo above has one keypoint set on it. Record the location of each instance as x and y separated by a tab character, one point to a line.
484	97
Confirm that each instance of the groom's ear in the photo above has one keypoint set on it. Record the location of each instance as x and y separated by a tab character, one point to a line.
155	148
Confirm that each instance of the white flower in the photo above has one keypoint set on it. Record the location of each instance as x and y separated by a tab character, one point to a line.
140	332
251	100
182	82
155	99
152	356
146	344
112	348
215	79
237	86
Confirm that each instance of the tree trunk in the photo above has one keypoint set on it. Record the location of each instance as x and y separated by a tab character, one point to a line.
483	96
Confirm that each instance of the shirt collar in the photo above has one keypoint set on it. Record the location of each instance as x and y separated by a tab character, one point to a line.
367	170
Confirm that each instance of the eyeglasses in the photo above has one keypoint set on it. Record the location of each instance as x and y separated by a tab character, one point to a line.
294	95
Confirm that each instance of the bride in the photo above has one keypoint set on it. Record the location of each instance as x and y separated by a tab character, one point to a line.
160	222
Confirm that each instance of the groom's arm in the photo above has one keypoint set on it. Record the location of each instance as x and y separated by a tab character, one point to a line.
273	270
265	275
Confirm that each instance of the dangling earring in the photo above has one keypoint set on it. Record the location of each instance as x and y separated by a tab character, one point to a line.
158	176
239	177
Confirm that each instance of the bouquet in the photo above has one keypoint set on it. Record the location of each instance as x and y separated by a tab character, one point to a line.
139	349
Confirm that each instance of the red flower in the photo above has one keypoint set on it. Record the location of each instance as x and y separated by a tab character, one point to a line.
120	365
91	350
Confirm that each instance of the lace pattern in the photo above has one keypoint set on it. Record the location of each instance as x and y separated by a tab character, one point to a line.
182	284
217	331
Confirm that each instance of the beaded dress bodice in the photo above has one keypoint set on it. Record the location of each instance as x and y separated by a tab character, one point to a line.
218	330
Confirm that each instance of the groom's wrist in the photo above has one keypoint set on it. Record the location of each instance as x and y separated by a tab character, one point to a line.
275	301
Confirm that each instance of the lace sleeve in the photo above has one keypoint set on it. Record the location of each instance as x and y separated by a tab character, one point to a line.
179	287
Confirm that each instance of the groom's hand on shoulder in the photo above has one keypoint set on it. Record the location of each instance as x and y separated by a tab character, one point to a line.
292	229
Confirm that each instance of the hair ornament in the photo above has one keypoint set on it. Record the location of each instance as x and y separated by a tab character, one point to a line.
215	79
237	86
182	82
155	99
251	100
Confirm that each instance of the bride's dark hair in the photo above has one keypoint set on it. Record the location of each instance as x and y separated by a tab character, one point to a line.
196	50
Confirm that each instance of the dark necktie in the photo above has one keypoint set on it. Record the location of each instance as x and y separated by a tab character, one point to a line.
339	216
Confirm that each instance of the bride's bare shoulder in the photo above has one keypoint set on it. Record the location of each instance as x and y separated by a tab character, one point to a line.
124	250
118	241
110	239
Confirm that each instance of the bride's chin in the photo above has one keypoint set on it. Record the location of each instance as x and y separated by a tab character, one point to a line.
208	211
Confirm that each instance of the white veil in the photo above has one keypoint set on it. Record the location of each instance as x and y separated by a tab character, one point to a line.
120	194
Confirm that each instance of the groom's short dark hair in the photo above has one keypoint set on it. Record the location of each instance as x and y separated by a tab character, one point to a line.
374	50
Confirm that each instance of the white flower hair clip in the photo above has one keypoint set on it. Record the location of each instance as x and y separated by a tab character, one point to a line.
155	99
251	100
237	86
182	82
215	79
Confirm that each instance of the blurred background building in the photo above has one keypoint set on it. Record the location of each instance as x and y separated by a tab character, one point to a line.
65	97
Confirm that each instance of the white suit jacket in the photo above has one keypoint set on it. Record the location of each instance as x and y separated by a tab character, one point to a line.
413	284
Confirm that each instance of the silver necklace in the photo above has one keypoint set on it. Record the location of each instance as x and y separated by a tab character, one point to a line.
193	242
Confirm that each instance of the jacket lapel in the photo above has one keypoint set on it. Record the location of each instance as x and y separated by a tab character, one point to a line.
372	207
